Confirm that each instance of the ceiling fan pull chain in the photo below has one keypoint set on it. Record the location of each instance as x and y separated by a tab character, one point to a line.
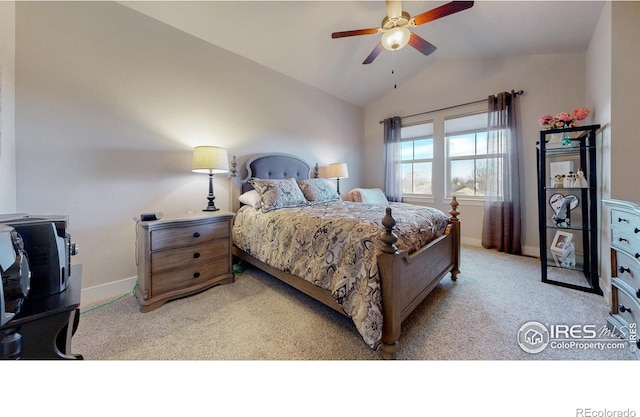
393	66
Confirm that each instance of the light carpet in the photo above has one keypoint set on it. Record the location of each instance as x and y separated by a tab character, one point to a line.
260	318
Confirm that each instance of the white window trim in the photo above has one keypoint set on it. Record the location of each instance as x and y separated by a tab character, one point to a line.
447	159
440	163
421	198
418	199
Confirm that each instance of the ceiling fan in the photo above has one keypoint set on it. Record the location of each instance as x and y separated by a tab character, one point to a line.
395	28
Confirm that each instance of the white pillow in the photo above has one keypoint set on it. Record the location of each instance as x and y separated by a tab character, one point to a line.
251	198
368	195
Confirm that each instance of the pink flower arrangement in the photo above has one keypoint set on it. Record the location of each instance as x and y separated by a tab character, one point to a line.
563	120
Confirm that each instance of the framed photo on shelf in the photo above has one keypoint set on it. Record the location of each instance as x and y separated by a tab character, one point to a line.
559	241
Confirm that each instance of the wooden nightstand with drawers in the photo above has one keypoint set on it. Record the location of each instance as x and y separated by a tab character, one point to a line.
182	256
625	270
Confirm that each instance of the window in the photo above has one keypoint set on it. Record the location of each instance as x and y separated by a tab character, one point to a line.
417	159
446	155
467	158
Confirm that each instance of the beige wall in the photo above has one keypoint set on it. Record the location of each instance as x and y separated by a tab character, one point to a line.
110	103
612	88
625	99
552	83
598	90
7	107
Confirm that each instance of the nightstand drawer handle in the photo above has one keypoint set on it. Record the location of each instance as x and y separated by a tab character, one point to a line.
621	239
636	230
620	219
637	255
638	293
622	270
196	234
196	255
624	309
196	274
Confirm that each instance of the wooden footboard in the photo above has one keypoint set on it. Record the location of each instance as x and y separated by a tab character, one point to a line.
406	279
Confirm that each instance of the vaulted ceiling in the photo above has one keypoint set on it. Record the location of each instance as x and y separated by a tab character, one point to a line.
294	37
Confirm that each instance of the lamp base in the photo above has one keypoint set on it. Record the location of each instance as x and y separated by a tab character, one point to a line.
211	206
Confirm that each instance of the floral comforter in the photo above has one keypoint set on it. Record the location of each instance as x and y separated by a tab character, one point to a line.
334	246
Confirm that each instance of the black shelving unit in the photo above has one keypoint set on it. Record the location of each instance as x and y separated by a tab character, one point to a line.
567	212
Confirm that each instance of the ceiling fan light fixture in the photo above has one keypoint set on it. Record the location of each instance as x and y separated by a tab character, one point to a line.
396	38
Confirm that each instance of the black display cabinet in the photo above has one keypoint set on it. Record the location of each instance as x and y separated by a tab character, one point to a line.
568	207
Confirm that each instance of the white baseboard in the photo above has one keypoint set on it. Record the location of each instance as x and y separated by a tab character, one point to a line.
108	291
532	251
471	242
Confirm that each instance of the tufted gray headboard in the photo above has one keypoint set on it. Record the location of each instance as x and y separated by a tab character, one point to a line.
271	166
276	166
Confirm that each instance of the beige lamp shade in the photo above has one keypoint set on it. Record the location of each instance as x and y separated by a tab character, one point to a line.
338	171
210	160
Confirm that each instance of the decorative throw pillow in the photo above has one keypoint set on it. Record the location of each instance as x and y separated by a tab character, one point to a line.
251	198
318	190
275	194
355	196
368	195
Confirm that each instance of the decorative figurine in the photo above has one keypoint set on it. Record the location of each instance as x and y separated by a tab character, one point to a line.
570	180
558	181
581	181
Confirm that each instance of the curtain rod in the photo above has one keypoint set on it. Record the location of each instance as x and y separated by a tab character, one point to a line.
519	92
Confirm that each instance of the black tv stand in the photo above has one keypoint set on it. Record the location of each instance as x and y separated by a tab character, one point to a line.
45	325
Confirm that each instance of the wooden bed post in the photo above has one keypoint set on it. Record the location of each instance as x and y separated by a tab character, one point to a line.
388	237
234	167
391	324
236	186
456	229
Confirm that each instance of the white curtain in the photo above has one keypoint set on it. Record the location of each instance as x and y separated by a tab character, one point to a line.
502	222
392	166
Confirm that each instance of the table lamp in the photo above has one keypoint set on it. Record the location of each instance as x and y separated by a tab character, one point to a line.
337	171
210	160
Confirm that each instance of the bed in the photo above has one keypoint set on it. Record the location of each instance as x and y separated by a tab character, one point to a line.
373	263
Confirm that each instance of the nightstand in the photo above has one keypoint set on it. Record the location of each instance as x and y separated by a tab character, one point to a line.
181	256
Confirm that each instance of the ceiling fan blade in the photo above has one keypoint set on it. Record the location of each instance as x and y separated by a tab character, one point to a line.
394	9
374	54
442	11
358	32
421	45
